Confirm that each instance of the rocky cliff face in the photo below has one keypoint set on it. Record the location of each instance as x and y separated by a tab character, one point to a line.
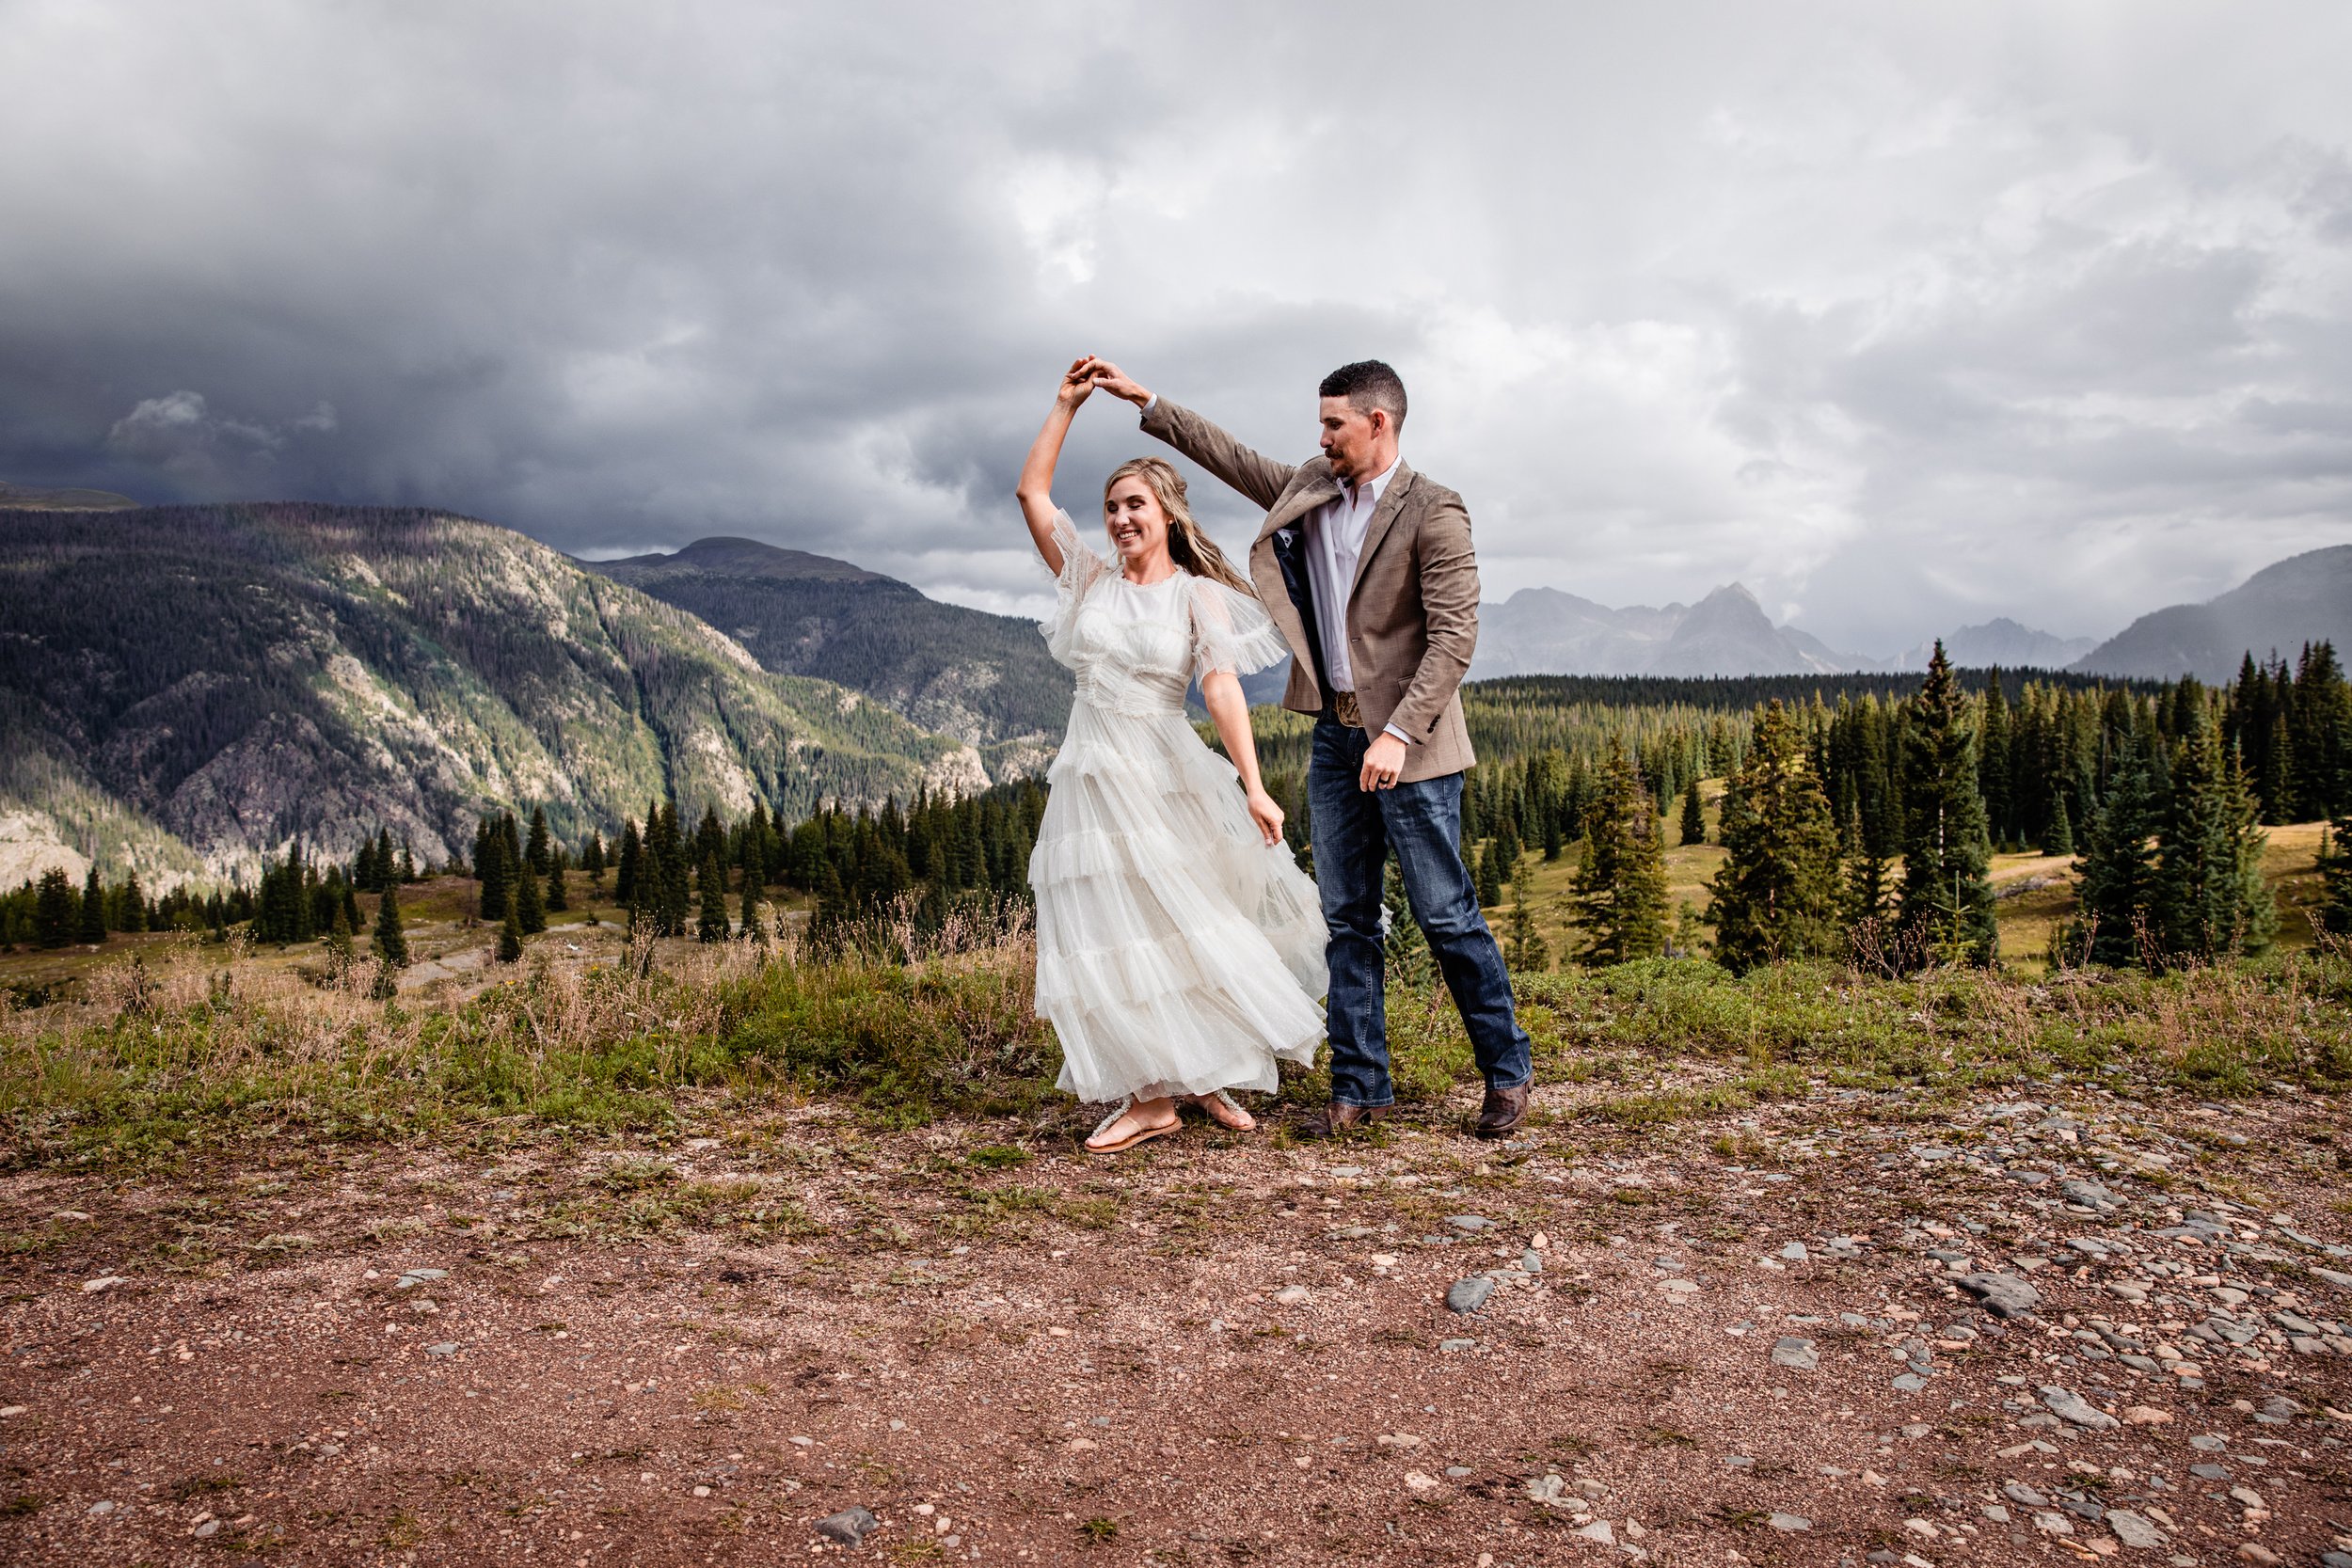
194	686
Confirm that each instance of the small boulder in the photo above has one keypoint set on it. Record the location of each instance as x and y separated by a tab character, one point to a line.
2004	1295
1468	1295
851	1527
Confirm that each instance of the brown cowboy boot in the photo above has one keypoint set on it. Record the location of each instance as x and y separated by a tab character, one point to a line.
1338	1117
1503	1112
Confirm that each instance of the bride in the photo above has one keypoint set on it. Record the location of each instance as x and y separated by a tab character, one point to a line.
1179	947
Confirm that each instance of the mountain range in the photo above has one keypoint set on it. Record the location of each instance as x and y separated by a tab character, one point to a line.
185	690
2304	598
1543	632
983	679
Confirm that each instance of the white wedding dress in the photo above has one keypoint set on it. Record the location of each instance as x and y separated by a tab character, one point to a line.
1177	951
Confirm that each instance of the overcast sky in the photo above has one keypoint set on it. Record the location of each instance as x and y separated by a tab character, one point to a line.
1904	316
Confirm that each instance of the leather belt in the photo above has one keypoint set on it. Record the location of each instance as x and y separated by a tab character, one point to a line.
1343	709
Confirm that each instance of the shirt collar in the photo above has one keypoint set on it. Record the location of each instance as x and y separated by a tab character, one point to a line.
1380	484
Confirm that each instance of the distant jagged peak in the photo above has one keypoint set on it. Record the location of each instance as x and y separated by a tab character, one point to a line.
733	556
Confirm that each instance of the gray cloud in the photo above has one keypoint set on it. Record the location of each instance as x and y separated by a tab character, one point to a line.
1902	316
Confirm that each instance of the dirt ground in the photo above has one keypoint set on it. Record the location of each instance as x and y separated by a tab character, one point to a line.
1733	1340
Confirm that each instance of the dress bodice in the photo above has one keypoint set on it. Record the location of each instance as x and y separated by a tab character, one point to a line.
1136	648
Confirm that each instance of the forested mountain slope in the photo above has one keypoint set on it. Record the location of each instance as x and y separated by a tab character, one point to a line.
185	687
2304	598
981	678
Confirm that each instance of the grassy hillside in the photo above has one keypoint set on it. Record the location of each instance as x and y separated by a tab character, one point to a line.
981	678
228	677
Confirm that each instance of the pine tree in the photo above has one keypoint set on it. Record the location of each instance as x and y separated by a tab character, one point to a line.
1406	952
1490	876
1947	894
510	938
134	904
754	913
1776	895
2334	912
593	860
57	914
490	869
2115	880
712	923
2210	898
338	939
1526	951
1620	892
535	855
556	899
1693	814
630	867
390	941
2059	837
1863	892
1508	848
529	909
91	929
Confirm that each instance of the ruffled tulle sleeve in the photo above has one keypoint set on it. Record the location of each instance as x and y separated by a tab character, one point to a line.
1081	569
1232	631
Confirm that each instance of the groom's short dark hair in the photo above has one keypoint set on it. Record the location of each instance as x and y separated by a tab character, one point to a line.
1367	385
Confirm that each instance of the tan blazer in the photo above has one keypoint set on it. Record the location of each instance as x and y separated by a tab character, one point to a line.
1412	617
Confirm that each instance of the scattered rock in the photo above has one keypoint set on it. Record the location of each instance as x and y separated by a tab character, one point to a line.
2147	1415
100	1509
1419	1482
447	1347
2252	1552
1290	1295
1599	1530
1468	1295
2004	1295
1471	1224
1798	1355
1790	1523
2133	1530
1795	1253
104	1282
851	1527
2071	1406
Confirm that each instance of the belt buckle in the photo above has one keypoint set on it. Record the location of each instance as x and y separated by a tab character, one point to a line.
1343	709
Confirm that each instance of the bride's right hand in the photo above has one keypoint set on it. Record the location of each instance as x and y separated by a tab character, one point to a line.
1077	382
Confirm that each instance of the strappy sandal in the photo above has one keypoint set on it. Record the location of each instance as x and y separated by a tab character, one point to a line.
1142	1134
1247	1123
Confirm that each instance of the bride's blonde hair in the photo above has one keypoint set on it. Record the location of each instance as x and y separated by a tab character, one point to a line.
1190	548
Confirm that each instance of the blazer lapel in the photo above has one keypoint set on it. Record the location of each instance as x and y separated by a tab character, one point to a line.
1392	501
1305	499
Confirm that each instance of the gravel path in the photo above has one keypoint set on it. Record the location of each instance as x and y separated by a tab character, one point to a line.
1847	1329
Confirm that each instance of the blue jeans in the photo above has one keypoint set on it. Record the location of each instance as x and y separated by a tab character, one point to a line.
1354	832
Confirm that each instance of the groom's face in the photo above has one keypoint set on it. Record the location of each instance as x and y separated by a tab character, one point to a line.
1350	436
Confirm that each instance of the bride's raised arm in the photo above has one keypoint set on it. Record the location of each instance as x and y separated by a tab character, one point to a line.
1035	489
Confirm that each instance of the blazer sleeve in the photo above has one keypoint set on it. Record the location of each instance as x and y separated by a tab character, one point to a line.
1449	601
1259	478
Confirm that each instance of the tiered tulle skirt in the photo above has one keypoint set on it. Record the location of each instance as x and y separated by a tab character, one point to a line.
1177	951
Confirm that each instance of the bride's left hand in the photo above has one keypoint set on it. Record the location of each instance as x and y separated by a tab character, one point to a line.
1267	814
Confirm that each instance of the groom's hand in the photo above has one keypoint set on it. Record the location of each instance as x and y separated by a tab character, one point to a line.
1384	759
1119	384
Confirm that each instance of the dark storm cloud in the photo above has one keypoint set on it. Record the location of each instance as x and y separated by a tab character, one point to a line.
1902	317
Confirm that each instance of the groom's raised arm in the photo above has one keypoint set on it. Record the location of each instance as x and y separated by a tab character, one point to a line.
1255	475
1448	603
1262	478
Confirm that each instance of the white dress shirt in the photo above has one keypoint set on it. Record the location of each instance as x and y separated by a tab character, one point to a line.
1335	543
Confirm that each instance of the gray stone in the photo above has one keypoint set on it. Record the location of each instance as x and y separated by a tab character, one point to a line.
1468	1222
1531	1262
208	1529
2133	1530
410	1278
2069	1405
100	1509
2024	1495
2209	1442
1795	1253
2090	1195
2210	1472
851	1527
1455	1347
2335	1560
447	1347
1790	1523
2004	1295
1599	1530
1909	1382
1468	1295
1798	1355
1458	1472
2336	1277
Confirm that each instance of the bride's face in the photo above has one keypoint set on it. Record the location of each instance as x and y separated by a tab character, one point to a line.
1136	521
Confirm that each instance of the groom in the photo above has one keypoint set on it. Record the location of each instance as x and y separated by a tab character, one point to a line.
1366	566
